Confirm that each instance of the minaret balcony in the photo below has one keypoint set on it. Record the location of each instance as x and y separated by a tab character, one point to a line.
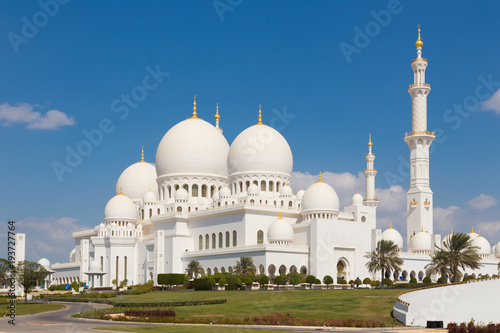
420	133
418	59
418	85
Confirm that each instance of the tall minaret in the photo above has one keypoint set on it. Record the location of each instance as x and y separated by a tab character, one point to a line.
419	196
370	174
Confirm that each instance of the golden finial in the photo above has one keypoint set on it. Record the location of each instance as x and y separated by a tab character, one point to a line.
419	42
142	154
451	232
217	116
121	193
260	116
390	225
472	229
422	229
319	180
194	108
479	233
370	140
280	215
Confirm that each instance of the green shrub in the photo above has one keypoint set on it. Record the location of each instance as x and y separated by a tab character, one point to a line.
279	280
247	280
201	284
388	282
351	281
55	287
222	281
375	283
310	279
442	280
317	281
233	283
139	289
341	281
427	279
211	281
357	282
294	278
263	279
327	280
412	280
367	281
171	279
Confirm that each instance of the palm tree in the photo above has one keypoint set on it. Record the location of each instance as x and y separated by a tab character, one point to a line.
245	266
194	268
438	265
459	252
384	257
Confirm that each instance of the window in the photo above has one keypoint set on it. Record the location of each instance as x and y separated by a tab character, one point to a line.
186	187
220	239
150	213
235	238
212	191
195	190
247	185
213	241
271	186
260	237
227	239
263	186
200	240
241	187
204	191
207	241
158	211
179	209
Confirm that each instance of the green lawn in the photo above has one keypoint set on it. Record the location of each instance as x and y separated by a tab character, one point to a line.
22	309
311	304
180	329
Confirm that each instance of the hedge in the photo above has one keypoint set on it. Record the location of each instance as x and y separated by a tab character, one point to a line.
233	282
171	279
133	304
150	313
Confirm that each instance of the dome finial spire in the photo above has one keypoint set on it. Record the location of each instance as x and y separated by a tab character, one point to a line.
419	43
121	193
280	215
472	229
390	225
194	108
217	116
142	154
260	116
320	180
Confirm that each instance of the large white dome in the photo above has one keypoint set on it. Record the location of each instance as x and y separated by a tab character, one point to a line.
260	149
120	207
136	180
44	262
280	231
483	244
394	236
192	147
422	241
497	250
320	197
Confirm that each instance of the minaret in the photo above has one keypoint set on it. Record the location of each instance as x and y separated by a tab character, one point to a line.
370	174
419	196
217	118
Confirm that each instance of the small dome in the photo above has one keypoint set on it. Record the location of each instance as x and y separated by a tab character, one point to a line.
446	239
253	190
192	147
300	194
422	241
225	192
102	225
280	231
120	207
139	227
472	234
286	191
272	156
181	194
136	180
45	263
483	244
95	266
394	236
497	250
150	197
320	197
357	199
114	225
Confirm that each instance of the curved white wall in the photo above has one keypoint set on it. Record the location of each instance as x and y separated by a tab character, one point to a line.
478	300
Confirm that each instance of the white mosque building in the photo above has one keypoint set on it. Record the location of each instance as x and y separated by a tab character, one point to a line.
208	201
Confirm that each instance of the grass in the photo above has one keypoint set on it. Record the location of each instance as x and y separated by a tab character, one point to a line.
22	309
180	329
311	304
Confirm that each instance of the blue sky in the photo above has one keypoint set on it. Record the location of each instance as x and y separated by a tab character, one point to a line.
62	74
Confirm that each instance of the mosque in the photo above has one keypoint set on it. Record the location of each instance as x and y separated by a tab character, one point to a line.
209	201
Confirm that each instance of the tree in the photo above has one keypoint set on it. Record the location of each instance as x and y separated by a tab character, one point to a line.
29	275
245	266
263	279
279	280
194	268
327	280
294	278
384	258
115	282
367	281
124	283
459	253
4	272
310	279
438	265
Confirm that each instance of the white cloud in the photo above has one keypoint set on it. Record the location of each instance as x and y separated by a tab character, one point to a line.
49	238
446	218
493	103
24	114
483	201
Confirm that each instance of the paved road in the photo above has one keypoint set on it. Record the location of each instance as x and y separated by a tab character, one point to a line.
60	321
